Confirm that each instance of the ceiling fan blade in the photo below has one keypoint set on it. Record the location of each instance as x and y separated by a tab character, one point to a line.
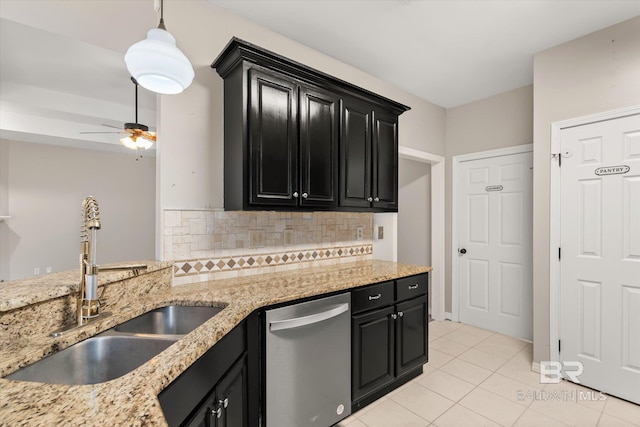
111	126
100	132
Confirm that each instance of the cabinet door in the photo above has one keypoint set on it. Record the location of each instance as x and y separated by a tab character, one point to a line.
385	160
372	351
273	139
318	147
232	396
411	334
205	415
355	154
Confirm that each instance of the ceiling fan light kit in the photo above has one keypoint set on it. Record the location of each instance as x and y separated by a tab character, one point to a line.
157	63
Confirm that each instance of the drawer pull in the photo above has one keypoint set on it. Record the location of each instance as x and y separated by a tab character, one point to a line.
374	297
413	286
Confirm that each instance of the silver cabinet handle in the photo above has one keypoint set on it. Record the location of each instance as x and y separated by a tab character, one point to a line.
413	286
216	412
400	314
377	199
374	297
296	322
224	402
370	199
305	195
295	194
394	316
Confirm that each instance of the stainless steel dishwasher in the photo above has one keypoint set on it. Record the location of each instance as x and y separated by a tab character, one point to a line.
308	363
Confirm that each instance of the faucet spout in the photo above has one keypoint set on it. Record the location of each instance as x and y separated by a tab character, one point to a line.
88	303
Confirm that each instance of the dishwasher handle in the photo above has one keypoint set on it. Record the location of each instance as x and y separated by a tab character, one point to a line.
296	322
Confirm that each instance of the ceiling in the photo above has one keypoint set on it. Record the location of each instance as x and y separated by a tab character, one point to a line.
62	70
55	85
448	52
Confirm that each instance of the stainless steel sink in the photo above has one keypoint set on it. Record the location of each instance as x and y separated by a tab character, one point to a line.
118	350
95	360
169	320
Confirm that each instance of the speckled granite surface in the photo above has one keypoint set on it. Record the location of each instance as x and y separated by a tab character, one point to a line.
132	399
19	293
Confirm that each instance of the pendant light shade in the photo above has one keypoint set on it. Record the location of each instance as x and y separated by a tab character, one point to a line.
157	63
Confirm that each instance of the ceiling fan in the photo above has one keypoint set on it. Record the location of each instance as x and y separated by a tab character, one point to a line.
138	134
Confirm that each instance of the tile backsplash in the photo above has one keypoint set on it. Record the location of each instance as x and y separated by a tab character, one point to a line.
208	244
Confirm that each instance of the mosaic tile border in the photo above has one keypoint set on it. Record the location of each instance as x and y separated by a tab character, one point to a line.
279	258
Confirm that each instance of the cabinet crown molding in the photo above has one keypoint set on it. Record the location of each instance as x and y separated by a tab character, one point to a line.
237	51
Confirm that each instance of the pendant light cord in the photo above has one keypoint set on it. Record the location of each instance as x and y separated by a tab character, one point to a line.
135	82
161	24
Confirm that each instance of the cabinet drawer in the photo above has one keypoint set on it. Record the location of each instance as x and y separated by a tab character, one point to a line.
409	287
372	297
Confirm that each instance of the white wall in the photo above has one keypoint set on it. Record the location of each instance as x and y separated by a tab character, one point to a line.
45	186
414	217
500	121
595	73
191	124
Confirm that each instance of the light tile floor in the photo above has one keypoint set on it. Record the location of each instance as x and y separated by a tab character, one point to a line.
479	378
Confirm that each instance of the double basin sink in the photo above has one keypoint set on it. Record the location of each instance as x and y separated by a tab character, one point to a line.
119	350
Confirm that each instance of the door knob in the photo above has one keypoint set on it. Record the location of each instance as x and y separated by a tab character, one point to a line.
370	199
305	195
462	251
295	194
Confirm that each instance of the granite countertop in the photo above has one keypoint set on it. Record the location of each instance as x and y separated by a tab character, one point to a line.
19	293
132	399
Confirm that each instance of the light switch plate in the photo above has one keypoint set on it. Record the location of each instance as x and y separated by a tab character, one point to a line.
380	232
359	233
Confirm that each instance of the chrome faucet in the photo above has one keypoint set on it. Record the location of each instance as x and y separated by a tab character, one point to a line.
88	300
88	303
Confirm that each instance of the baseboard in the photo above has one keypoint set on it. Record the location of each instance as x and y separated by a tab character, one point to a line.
535	367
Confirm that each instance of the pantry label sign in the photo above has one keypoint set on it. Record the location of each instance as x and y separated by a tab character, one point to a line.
612	170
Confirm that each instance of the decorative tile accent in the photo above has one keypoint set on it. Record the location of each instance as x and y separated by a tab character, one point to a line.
244	261
229	243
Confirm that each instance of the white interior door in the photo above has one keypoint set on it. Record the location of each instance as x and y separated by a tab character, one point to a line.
600	254
495	211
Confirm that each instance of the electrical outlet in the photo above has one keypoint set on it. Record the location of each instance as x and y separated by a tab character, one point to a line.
36	271
380	232
288	237
359	233
49	269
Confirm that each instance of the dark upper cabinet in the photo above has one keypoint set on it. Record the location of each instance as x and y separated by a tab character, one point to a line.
355	154
368	157
295	137
273	139
385	161
318	147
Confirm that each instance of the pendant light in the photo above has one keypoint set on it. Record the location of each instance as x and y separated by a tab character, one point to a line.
157	63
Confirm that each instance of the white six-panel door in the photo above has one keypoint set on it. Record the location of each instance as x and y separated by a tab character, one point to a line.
600	254
494	220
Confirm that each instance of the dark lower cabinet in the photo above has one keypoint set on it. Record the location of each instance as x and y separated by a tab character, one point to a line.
213	391
226	405
373	351
411	334
389	342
